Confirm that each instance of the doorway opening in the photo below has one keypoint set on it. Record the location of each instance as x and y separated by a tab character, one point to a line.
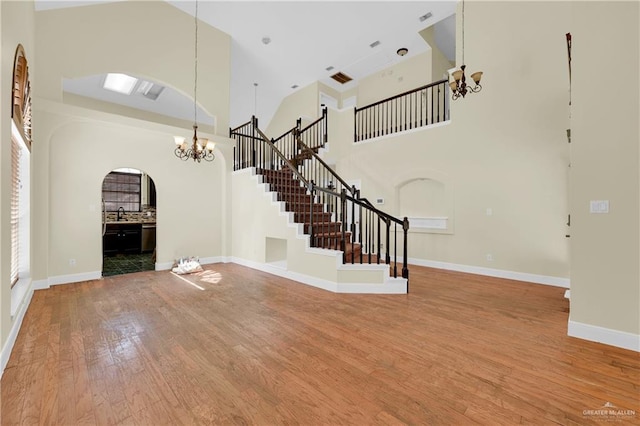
128	222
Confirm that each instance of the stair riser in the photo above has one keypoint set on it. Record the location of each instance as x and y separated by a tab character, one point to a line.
324	227
317	217
304	208
288	189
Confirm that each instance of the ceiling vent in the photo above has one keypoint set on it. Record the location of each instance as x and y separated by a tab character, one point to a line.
374	44
425	17
341	78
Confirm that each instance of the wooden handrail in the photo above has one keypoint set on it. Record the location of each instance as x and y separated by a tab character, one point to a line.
324	115
239	127
408	92
325	165
295	171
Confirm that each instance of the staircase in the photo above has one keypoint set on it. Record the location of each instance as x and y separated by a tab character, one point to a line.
331	215
318	219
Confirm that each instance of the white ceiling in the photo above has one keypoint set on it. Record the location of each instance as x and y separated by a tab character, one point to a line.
306	38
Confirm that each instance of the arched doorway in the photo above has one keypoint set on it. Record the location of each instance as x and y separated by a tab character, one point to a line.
128	222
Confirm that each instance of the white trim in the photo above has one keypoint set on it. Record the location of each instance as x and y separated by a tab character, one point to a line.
594	333
567	294
428	222
40	285
75	278
391	286
19	293
163	266
209	260
498	273
166	266
13	334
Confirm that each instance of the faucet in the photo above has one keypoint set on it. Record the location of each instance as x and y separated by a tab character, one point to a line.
120	213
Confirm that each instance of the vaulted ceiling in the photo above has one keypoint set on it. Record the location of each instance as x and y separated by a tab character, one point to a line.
284	46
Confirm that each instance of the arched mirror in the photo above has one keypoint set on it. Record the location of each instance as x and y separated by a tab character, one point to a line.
128	222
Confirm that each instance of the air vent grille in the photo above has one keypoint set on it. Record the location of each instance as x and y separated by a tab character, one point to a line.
341	78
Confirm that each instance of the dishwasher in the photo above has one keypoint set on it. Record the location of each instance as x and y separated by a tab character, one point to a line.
148	237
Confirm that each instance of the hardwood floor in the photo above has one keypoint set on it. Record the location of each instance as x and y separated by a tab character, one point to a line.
251	348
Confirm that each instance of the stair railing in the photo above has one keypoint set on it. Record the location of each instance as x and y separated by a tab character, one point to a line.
367	226
415	108
315	134
332	212
254	149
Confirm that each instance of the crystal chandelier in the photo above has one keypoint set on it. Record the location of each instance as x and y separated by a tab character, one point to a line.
200	148
459	84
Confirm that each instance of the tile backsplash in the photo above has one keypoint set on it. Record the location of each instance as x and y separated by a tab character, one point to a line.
147	215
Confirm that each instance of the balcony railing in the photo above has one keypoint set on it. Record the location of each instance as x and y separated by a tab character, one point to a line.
409	110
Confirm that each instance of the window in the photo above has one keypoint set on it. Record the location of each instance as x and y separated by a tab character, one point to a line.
20	178
15	209
120	189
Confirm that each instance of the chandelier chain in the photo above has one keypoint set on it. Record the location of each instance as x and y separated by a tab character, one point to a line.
462	31
195	71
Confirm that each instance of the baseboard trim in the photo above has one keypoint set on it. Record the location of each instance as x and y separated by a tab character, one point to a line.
13	334
166	266
594	333
498	273
74	278
40	284
389	287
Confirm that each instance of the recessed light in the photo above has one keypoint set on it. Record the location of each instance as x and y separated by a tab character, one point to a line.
121	83
425	16
402	51
375	43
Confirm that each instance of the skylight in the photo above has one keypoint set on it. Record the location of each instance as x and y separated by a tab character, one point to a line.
121	83
149	90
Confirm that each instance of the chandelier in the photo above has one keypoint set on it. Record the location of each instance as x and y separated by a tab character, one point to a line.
459	84
200	148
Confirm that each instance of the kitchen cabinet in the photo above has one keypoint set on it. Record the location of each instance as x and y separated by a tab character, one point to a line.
122	238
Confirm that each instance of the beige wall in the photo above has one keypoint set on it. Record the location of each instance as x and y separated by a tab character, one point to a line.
605	253
148	41
303	103
16	27
400	77
439	62
500	151
84	151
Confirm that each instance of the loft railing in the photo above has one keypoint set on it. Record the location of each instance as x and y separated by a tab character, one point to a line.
409	110
333	213
315	134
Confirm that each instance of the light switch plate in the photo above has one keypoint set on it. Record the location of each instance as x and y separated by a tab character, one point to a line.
599	206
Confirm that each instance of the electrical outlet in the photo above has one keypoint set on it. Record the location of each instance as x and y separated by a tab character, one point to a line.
72	262
489	257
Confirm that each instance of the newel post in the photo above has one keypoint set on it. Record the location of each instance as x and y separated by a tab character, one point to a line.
405	270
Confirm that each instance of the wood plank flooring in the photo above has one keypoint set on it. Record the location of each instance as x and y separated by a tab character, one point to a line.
251	348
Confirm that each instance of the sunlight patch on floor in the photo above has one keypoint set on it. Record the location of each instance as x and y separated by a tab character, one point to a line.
187	281
212	277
